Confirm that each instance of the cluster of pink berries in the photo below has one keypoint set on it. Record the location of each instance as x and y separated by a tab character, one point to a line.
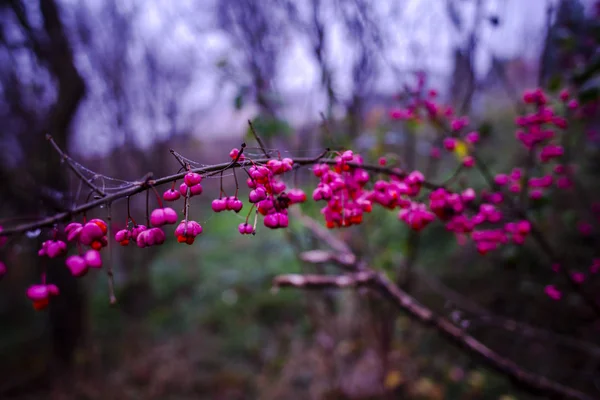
91	234
268	194
537	131
342	186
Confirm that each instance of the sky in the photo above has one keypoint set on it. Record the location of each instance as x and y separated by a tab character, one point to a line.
419	31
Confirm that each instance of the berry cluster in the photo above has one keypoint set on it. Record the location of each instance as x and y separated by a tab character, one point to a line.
346	187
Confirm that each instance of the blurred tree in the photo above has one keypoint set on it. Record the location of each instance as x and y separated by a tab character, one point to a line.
41	92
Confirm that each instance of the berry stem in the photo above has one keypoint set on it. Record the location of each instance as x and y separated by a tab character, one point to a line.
148	208
258	139
109	271
158	199
237	186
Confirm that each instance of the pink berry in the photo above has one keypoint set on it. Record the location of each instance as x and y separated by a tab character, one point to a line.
468	195
37	292
468	161
501	179
219	205
245	228
157	217
137	229
170	215
271	221
296	196
73	230
347	155
234	204
162	216
93	259
123	237
472	137
90	233
234	153
77	266
192	178
196	190
183	189
53	290
171	195
277	187
578	277
450	144
552	292
257	195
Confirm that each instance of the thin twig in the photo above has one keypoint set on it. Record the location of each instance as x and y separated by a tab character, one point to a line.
178	157
258	139
109	271
73	168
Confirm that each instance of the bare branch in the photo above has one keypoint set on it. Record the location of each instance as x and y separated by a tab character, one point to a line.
258	139
520	377
217	168
73	168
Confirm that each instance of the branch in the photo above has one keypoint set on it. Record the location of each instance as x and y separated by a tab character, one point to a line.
534	383
217	168
73	168
258	139
362	275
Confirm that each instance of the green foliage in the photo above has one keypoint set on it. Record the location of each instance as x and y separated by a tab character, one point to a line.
269	127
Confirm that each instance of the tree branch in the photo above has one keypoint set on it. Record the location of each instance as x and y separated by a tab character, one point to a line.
217	168
73	168
533	383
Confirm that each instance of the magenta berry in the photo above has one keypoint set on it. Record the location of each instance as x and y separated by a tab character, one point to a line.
468	161
296	196
257	195
77	265
245	228
123	236
186	233
150	237
93	259
196	190
234	204
552	292
472	137
192	178
219	205
162	216
3	269
90	233
40	295
73	230
137	229
53	248
234	153
37	292
171	195
183	188
450	144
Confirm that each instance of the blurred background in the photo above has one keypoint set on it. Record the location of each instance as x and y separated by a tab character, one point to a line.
119	83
